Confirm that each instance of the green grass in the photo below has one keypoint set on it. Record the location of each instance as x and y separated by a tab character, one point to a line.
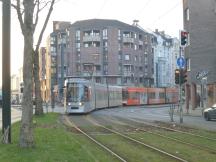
53	144
187	152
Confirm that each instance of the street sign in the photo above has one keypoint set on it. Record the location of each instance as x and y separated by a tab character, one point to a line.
181	62
200	75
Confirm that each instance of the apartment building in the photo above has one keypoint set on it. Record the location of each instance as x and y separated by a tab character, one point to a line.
200	22
106	50
166	52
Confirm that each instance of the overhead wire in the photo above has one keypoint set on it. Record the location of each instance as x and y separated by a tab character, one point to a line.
165	13
145	5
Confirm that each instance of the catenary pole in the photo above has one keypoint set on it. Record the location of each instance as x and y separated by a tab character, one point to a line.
6	84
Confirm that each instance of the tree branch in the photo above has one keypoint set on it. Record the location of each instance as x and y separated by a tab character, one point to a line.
38	3
19	14
45	24
37	14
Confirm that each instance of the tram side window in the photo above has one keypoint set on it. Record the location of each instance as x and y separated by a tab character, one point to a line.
162	95
86	93
151	95
124	94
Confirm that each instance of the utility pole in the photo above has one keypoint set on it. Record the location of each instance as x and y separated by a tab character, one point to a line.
6	84
180	97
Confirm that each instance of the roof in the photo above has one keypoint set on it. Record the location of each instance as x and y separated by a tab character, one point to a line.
101	23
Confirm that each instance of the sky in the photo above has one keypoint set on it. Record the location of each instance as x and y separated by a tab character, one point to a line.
165	15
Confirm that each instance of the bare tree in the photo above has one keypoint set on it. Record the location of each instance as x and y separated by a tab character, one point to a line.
28	15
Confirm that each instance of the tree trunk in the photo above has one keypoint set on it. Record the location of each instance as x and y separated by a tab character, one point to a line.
38	98
26	129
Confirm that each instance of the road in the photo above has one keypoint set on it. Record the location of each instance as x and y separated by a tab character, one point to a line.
16	112
15	115
157	114
153	113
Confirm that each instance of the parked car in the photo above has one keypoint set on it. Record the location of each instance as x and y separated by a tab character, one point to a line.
210	113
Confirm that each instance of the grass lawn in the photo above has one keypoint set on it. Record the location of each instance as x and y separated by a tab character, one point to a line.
53	144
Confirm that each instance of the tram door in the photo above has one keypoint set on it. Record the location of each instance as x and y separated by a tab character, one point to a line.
143	97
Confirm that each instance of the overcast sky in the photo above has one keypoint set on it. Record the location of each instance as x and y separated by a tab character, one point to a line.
152	14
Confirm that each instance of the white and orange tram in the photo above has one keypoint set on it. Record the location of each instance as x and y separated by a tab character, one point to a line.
83	96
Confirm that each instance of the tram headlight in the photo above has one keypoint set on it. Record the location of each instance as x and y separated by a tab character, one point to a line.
80	103
69	104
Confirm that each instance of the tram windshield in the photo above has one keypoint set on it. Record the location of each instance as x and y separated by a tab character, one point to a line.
77	92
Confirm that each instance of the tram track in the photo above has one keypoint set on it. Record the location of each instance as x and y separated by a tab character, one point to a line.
201	147
108	148
138	141
171	129
69	123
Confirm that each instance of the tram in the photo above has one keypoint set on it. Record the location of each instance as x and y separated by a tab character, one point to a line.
148	96
83	96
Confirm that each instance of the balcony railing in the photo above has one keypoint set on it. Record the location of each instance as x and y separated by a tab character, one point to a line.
128	40
91	38
140	42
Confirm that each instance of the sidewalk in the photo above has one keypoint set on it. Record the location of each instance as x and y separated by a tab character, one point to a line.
196	112
16	112
15	116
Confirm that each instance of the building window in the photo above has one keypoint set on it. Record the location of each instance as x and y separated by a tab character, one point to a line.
78	46
119	34
140	37
53	49
135	47
96	44
214	6
187	14
105	35
127	57
52	40
119	47
86	45
78	35
140	47
120	56
105	44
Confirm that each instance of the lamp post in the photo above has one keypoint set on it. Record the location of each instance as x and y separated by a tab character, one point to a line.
62	46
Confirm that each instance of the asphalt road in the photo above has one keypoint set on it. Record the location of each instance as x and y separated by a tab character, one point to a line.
157	114
152	113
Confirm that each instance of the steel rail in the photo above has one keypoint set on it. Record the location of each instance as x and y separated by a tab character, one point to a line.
141	143
174	139
170	129
71	124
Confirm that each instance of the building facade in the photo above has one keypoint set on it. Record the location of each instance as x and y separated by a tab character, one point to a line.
200	22
105	50
166	52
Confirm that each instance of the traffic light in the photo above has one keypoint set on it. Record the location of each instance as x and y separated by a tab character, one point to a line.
177	75
183	38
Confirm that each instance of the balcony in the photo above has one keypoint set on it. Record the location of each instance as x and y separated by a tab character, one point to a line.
128	73
128	40
91	38
140	42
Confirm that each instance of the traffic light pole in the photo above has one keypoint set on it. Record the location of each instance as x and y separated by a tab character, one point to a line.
180	97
